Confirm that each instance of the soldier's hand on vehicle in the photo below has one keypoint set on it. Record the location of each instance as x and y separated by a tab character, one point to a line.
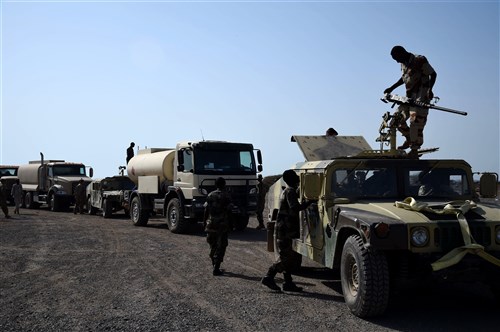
387	91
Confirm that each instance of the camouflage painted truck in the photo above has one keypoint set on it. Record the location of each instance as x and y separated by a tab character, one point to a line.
174	183
51	182
8	176
386	221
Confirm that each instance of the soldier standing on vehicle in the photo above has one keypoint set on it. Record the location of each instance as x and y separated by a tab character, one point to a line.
3	200
287	228
216	217
80	193
330	132
17	193
130	152
419	78
261	200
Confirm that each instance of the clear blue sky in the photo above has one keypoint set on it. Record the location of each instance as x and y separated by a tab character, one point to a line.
82	79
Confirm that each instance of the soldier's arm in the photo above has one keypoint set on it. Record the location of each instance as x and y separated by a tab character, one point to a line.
394	86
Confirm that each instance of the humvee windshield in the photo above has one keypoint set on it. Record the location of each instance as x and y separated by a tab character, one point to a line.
392	182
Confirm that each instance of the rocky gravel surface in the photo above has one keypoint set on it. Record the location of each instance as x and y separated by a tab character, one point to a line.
66	272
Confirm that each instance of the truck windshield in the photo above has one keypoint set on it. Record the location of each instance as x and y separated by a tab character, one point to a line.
208	161
399	183
8	171
68	170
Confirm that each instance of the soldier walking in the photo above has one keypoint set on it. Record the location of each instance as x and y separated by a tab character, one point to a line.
217	209
80	193
261	200
287	228
17	193
3	200
419	78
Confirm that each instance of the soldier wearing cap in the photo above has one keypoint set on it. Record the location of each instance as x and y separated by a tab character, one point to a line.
80	193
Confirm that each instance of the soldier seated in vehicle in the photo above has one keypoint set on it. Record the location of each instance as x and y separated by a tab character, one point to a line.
434	184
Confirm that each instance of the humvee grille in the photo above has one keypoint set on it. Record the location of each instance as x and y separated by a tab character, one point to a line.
449	236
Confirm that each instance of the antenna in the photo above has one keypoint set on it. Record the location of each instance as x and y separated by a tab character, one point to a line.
202	138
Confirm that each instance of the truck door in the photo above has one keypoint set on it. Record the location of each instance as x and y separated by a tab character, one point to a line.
184	175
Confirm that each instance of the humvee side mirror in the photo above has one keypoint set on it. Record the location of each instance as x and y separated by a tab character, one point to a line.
488	185
311	185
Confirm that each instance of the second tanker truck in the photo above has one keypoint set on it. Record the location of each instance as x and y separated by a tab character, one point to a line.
175	182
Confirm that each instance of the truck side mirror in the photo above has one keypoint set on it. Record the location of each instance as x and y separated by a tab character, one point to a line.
488	184
91	172
180	168
259	168
180	157
311	185
259	157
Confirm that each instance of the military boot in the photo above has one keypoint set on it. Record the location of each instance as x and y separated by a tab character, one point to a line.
269	282
289	285
217	271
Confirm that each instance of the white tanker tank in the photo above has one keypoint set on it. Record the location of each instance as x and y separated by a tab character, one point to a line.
152	162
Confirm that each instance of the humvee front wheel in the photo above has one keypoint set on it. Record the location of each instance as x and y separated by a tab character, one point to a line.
90	209
107	209
138	215
175	217
364	276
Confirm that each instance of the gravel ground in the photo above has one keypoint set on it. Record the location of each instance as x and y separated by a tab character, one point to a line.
65	272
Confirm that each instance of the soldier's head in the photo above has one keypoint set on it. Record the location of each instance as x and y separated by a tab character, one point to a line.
259	178
291	178
132	144
399	54
220	183
331	132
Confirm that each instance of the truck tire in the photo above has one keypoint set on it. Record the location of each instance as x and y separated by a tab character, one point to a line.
175	217
107	208
241	222
138	216
90	209
55	203
364	276
28	201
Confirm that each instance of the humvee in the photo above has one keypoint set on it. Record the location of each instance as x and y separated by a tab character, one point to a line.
107	195
385	221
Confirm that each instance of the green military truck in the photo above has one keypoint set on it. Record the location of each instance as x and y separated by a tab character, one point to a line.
386	221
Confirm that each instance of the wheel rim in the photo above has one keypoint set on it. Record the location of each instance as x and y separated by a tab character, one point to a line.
353	276
172	216
135	211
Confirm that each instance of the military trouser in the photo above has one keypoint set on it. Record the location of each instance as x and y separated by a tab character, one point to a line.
79	206
218	243
287	261
414	134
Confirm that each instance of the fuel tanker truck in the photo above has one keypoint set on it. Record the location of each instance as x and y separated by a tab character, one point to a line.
51	182
175	182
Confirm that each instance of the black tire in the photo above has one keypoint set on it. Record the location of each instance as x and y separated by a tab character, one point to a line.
90	209
107	209
28	201
364	277
241	222
54	203
175	217
139	216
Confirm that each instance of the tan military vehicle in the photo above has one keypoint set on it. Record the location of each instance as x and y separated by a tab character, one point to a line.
51	182
107	195
385	221
175	182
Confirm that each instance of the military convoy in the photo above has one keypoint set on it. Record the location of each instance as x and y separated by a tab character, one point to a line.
51	182
174	183
386	221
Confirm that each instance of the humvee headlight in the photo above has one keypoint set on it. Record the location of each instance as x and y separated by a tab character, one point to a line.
497	234
419	236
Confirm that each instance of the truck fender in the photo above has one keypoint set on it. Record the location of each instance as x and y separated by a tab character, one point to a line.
173	192
346	227
145	203
55	188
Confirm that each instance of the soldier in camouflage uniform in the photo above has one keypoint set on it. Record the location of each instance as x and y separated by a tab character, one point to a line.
3	200
287	228
419	78
217	209
80	193
261	200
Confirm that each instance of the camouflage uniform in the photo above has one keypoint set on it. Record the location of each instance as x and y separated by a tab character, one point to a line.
3	201
80	193
415	75
217	208
17	195
261	200
287	228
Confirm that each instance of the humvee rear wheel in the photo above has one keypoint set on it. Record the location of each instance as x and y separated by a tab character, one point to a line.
175	217
364	276
90	209
137	214
107	209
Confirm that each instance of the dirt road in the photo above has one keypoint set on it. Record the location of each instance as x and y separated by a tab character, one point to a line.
60	271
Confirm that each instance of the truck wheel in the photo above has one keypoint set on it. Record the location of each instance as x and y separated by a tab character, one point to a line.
90	209
241	222
364	276
137	214
107	209
297	261
55	203
28	201
175	217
